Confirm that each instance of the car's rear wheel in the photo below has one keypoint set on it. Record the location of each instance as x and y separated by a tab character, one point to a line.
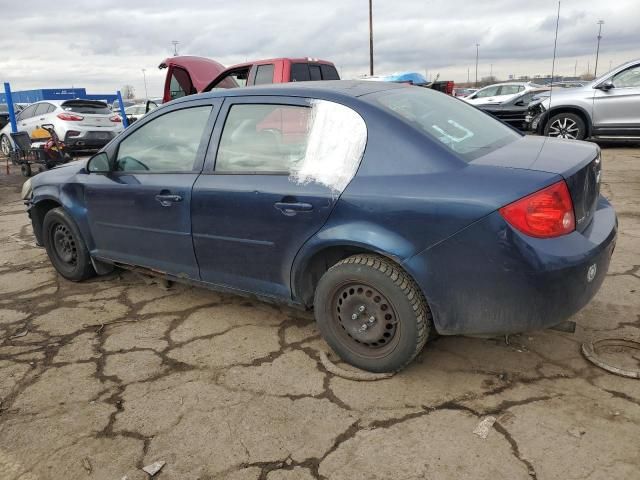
66	248
371	313
5	145
566	125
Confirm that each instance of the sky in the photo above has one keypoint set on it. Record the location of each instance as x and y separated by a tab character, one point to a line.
102	45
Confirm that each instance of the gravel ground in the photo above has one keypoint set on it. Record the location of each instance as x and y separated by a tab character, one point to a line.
101	378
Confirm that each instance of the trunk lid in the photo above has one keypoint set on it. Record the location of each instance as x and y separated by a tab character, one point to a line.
577	162
94	113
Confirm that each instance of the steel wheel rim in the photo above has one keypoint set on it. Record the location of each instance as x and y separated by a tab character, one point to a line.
364	319
564	128
64	245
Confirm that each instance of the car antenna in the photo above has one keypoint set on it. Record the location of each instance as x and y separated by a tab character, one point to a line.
553	64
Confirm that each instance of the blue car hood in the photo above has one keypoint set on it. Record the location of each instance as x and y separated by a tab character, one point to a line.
543	154
59	174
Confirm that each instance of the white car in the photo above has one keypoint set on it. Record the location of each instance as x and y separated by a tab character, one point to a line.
80	124
498	93
137	111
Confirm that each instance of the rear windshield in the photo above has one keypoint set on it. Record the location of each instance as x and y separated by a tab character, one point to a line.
466	131
95	108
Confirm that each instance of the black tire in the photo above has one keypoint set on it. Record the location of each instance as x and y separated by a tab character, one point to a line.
566	125
25	168
372	290
5	146
66	248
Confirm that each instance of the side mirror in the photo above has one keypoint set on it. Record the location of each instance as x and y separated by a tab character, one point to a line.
99	163
606	86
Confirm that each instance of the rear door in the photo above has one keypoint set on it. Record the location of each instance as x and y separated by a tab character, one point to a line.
140	213
619	107
270	183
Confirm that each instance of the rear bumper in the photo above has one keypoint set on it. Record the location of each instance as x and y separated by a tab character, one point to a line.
491	279
88	139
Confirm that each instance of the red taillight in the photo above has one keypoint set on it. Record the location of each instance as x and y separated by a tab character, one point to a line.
70	117
116	119
544	214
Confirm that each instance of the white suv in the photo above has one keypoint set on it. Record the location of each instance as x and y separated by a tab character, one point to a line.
498	93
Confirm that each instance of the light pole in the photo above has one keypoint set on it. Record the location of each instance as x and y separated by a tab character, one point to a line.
175	47
370	39
491	71
600	23
477	50
144	75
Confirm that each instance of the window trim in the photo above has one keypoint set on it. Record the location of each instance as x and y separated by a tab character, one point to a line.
205	140
214	144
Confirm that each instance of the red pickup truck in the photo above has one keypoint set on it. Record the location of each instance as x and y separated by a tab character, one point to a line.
187	75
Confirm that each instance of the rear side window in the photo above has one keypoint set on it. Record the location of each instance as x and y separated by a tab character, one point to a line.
329	72
314	72
300	72
168	143
487	92
292	140
464	130
264	74
42	109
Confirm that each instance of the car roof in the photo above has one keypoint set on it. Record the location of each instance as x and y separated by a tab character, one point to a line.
320	88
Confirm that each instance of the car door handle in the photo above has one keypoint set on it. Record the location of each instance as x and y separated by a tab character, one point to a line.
167	199
291	208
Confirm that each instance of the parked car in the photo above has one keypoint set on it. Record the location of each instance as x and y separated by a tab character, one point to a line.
4	113
514	111
115	106
449	221
188	75
463	92
80	124
137	111
607	108
498	93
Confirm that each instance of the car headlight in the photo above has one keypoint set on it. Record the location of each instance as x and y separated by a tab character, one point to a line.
27	191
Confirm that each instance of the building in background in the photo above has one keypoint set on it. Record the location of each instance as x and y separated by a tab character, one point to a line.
30	96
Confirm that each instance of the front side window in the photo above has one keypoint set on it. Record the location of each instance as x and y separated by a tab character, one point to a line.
168	143
264	74
464	130
629	78
28	112
320	143
487	92
235	79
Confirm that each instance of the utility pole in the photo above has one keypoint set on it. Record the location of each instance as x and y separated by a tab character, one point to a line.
175	47
468	77
575	69
477	50
610	62
370	39
491	71
588	68
600	23
144	75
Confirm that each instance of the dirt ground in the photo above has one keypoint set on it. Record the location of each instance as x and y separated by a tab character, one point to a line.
102	378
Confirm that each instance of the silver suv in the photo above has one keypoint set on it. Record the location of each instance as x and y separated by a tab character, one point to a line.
607	108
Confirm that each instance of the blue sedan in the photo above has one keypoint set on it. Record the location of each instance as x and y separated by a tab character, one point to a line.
394	212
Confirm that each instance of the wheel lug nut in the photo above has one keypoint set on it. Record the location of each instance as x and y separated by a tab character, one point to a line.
372	319
354	316
361	308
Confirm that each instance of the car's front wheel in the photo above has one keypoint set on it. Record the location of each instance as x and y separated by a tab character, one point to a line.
566	125
372	313
66	248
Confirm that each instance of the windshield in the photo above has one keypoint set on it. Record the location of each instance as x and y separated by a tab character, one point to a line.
466	131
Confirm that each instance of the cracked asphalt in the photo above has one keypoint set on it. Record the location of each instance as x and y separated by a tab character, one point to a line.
101	378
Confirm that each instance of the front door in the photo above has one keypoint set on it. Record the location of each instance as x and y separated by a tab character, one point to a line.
619	107
276	179
140	213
